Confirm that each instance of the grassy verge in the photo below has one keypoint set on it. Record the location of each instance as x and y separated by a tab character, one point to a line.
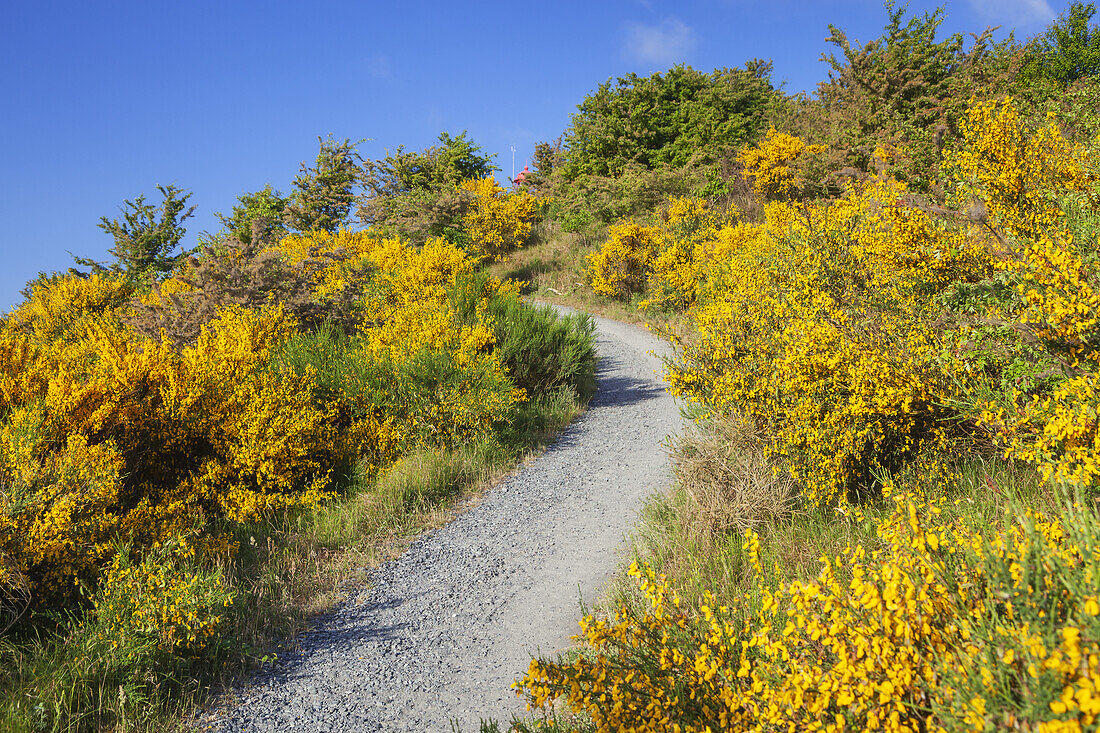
678	537
553	268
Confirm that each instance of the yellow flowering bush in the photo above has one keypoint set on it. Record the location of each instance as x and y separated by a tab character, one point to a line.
411	327
944	626
1057	431
60	309
777	164
160	602
815	324
620	268
23	375
668	261
267	441
1019	178
858	330
106	434
344	250
1059	304
686	253
496	221
58	520
416	320
867	337
129	438
1014	170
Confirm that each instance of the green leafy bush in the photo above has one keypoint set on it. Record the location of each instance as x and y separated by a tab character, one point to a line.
542	350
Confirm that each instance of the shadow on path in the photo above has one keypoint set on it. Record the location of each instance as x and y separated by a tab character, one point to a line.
621	391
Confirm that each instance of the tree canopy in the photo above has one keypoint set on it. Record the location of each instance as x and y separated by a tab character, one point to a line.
454	160
324	193
416	193
1069	50
906	87
260	213
667	119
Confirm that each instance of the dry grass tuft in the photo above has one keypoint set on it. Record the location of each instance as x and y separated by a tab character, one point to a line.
722	466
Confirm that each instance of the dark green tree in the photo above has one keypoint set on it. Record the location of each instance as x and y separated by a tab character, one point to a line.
258	214
146	236
325	192
545	161
414	193
905	87
1069	50
667	119
455	159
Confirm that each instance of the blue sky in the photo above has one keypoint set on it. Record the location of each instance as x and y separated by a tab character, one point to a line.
105	100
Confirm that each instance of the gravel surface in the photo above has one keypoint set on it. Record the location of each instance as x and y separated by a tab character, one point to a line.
445	629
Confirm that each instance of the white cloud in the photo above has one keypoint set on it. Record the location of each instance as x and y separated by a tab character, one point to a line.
1015	14
379	66
668	42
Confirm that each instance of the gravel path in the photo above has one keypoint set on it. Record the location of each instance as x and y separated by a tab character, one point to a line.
447	627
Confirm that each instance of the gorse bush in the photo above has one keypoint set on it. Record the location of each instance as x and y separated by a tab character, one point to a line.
129	438
253	384
497	222
775	165
948	625
111	434
869	331
869	341
807	336
665	261
620	268
692	231
1023	182
63	309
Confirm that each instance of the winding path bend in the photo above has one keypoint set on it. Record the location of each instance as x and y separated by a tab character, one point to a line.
445	629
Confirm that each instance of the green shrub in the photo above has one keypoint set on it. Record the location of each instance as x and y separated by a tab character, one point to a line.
427	399
542	350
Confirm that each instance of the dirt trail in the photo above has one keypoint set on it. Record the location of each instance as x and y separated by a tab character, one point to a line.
445	629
